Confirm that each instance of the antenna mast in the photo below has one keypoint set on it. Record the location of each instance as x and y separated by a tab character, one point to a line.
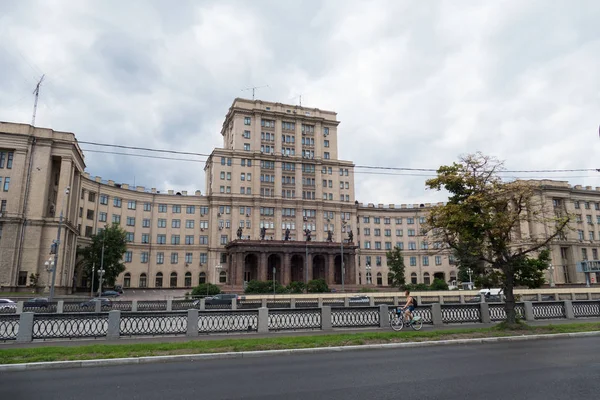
254	89
37	94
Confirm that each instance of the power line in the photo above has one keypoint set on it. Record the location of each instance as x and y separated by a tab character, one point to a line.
356	166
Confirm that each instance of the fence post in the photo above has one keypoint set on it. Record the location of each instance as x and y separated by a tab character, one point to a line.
539	297
462	299
436	314
484	309
263	320
293	302
60	306
25	333
134	306
203	304
97	307
192	323
326	323
419	302
234	304
589	296
114	325
569	312
263	303
320	302
372	301
169	304
20	307
384	316
347	302
528	311
441	299
396	301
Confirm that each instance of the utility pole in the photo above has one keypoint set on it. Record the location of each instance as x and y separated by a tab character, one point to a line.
37	94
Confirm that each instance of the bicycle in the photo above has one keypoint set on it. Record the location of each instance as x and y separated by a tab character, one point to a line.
398	322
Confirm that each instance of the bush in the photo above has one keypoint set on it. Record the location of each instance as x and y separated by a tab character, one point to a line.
317	286
259	287
439	284
419	287
201	290
368	290
296	287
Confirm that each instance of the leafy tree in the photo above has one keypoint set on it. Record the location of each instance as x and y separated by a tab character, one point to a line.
34	280
317	286
439	284
395	262
483	219
419	287
206	289
260	287
115	246
296	287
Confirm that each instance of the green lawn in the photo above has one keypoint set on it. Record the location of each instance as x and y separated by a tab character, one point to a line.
97	351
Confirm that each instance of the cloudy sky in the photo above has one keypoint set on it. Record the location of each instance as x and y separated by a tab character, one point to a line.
415	84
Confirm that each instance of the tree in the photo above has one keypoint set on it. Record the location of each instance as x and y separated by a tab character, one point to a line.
486	220
259	287
317	286
296	287
395	262
439	284
115	246
206	289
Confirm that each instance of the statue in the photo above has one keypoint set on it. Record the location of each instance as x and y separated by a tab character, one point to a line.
307	233
263	232
239	232
329	236
350	236
287	234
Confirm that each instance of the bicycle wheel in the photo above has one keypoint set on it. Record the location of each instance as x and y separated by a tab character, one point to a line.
417	324
397	323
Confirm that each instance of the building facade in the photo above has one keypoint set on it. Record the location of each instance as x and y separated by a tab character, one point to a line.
277	176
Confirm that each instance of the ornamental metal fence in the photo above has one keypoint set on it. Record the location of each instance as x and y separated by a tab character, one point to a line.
153	324
9	327
294	319
70	326
461	313
586	309
552	310
355	317
228	321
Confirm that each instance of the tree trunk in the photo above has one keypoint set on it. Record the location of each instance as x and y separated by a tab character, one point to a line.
509	305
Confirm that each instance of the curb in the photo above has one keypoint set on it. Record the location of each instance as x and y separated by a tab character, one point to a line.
270	353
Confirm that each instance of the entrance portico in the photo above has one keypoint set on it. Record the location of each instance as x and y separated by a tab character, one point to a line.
287	261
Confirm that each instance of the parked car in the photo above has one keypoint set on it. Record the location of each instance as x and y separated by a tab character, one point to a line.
7	305
110	293
91	304
219	299
119	289
38	302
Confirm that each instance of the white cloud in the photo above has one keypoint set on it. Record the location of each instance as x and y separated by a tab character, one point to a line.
414	84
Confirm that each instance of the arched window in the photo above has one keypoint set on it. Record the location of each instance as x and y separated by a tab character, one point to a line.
202	277
390	279
173	281
426	279
158	280
127	280
223	277
379	279
369	278
413	278
143	281
188	279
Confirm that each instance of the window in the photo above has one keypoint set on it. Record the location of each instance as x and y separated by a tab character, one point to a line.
222	277
159	280
189	239
22	274
223	239
174	258
189	224
161	239
175	239
102	217
6	157
189	258
247	120
326	155
438	260
176	223
426	278
247	146
129	236
160	257
410	220
162	208
143	280
128	257
117	202
576	203
6	183
116	219
388	245
188	279
88	231
130	221
203	258
127	280
131	205
411	232
147	206
144	257
176	209
584	254
145	238
246	134
103	199
378	261
91	196
413	261
595	254
399	232
367	245
587	205
203	210
377	232
162	223
378	245
412	246
580	234
366	220
425	261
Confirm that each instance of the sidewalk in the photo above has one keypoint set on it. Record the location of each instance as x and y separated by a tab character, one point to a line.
224	336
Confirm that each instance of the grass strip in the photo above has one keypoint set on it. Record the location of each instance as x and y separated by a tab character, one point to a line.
100	351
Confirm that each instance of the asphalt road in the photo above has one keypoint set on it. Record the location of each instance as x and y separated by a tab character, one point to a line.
548	369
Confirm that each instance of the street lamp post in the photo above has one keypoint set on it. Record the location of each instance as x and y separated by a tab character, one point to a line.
470	272
92	284
101	273
57	242
368	277
274	271
551	270
49	268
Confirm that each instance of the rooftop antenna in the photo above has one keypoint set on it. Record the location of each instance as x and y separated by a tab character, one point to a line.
254	89
299	97
37	94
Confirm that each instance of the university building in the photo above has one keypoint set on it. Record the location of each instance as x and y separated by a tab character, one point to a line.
277	177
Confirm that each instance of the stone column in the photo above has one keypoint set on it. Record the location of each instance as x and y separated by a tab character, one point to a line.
262	267
309	265
286	269
352	273
330	269
239	268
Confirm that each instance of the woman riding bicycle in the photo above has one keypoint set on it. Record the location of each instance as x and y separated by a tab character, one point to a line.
409	307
